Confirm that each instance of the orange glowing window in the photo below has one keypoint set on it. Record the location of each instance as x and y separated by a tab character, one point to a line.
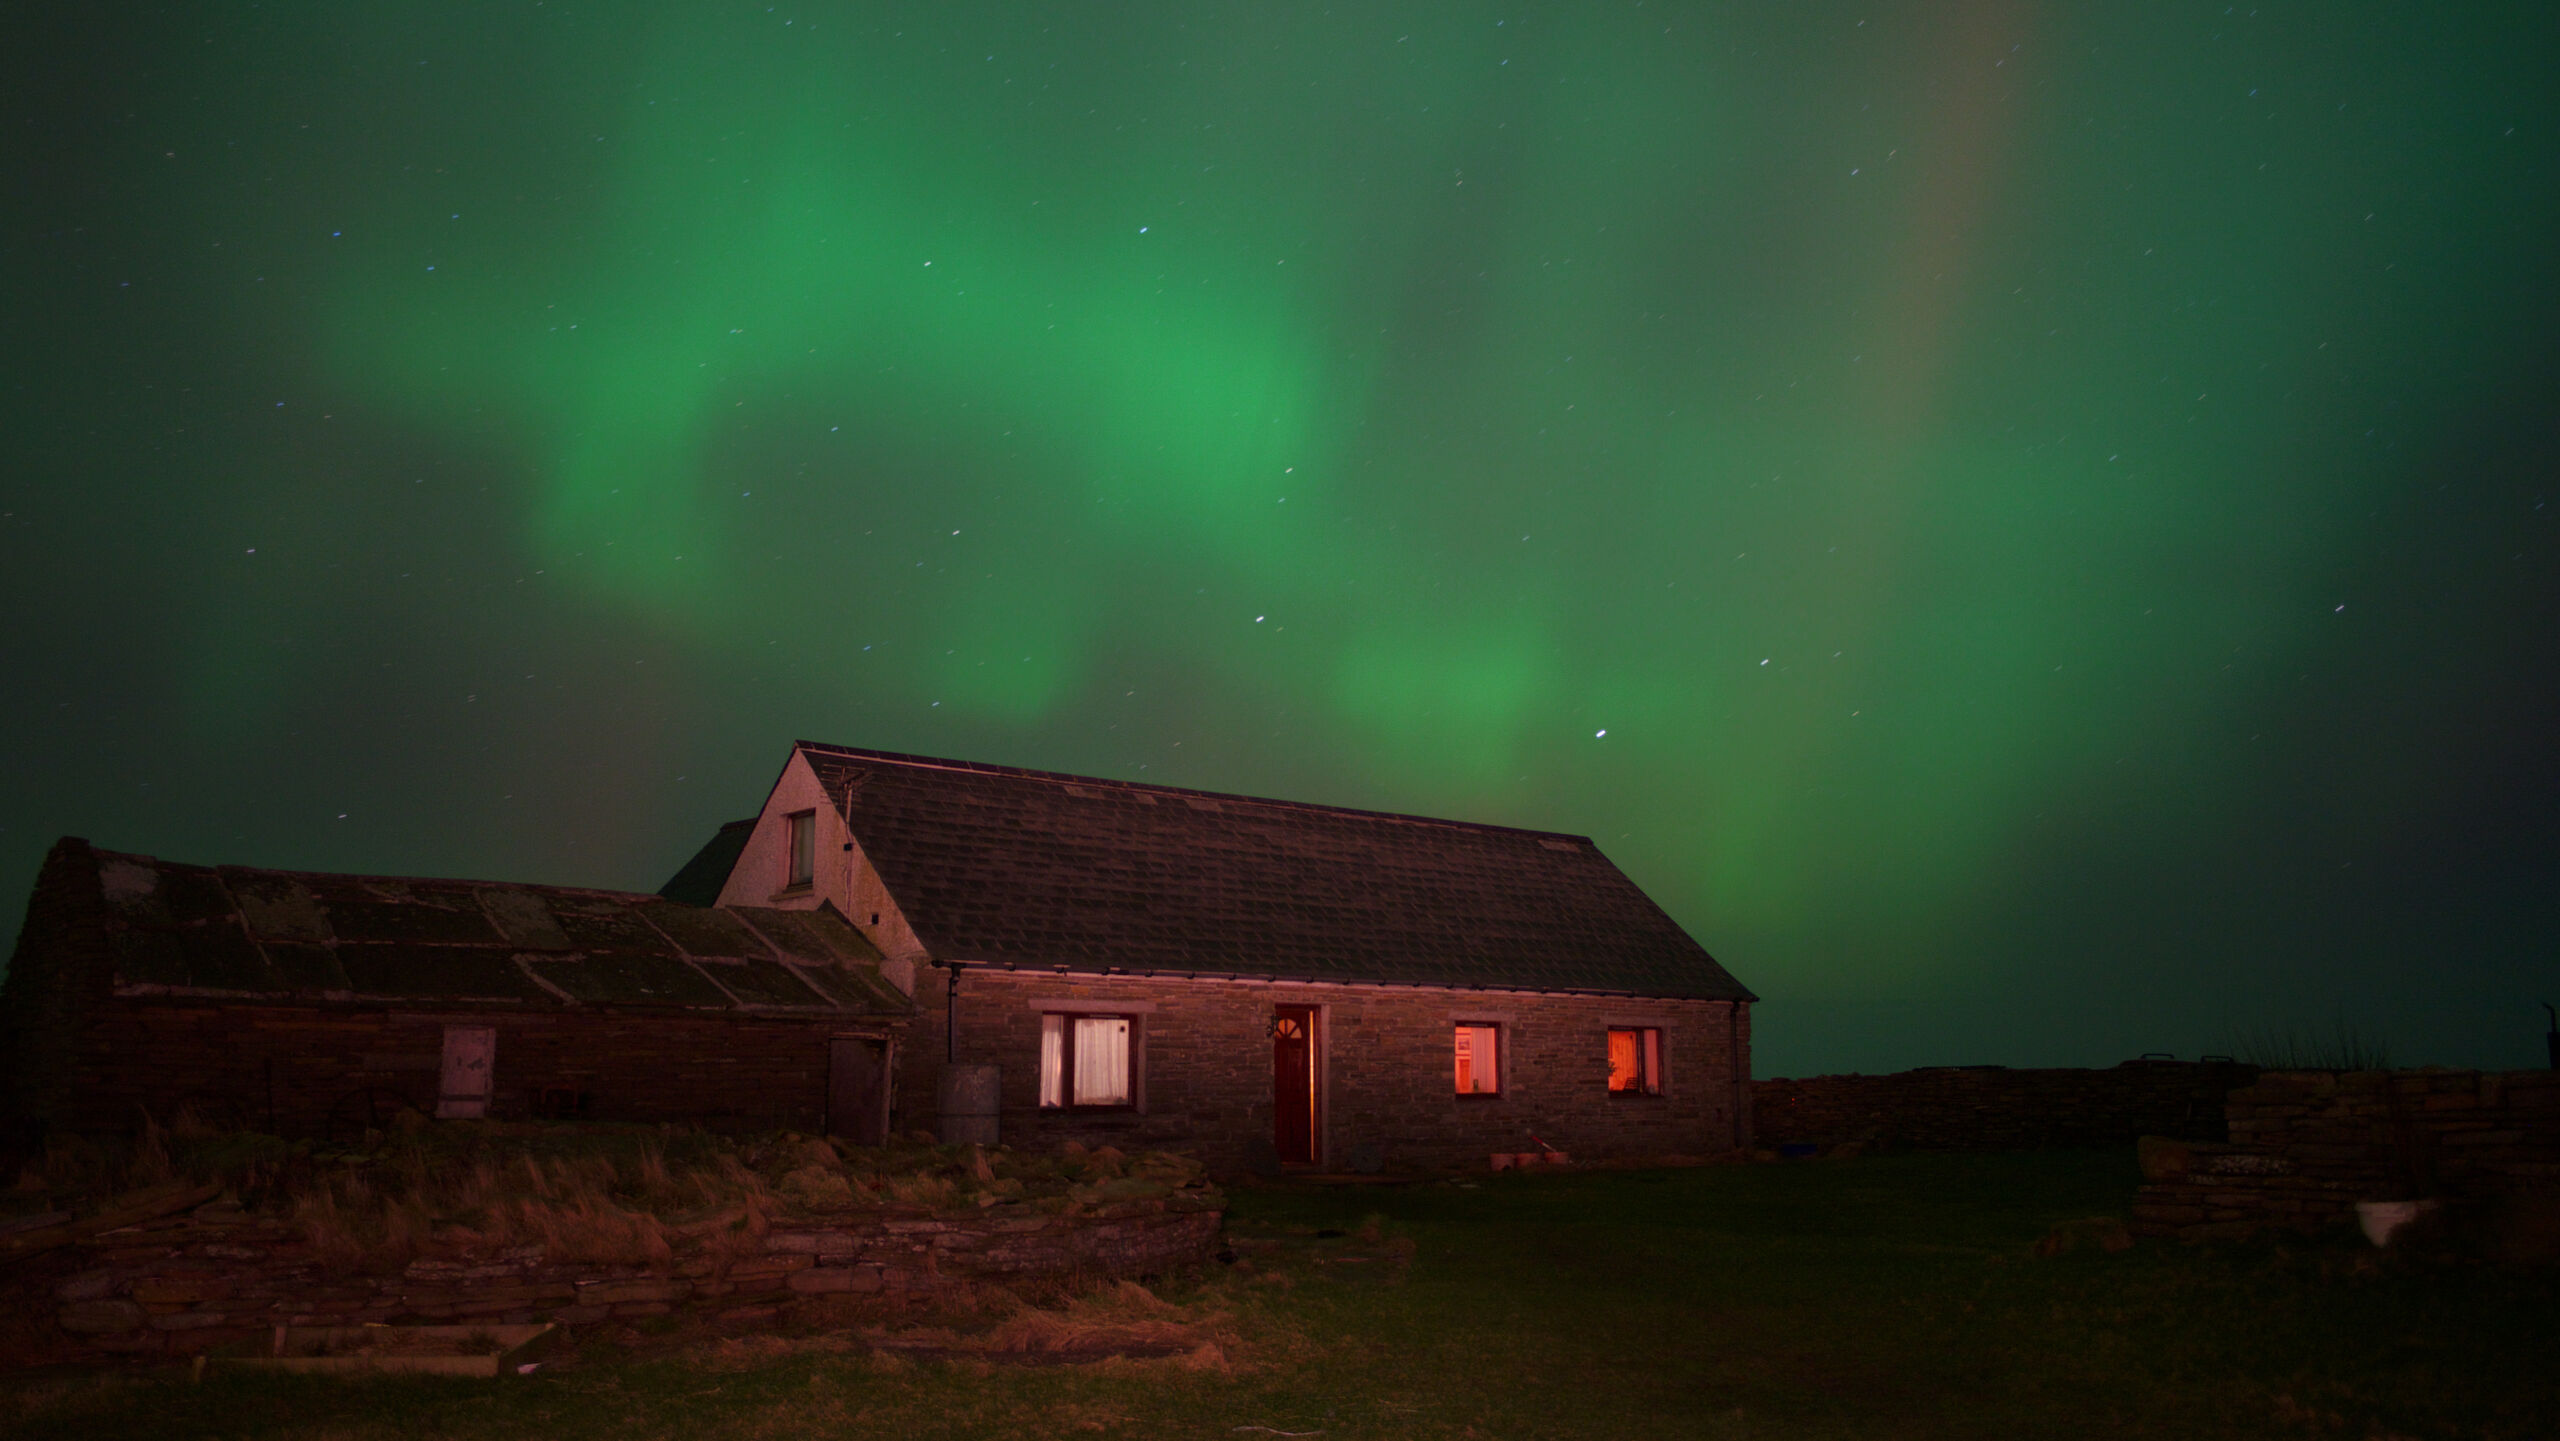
1479	1059
1635	1061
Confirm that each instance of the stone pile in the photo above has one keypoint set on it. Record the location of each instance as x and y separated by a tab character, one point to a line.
2306	1146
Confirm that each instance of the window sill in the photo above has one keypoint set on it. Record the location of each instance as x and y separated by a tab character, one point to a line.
1635	1095
1479	1095
788	892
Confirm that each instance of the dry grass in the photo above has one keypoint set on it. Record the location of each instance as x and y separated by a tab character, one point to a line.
1125	1317
983	1325
1121	1321
626	1195
576	1207
1892	1297
2343	1047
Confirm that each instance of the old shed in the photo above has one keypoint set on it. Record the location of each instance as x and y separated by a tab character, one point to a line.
304	1003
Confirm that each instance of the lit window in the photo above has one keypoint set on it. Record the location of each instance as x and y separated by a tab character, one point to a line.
1635	1061
804	848
1084	1060
1479	1059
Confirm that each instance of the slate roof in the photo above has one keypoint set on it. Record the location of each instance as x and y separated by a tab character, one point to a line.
996	865
699	881
235	932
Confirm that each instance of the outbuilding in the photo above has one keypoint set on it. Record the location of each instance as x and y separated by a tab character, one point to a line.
313	1004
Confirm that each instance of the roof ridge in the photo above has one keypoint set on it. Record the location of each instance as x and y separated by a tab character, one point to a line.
1065	778
219	866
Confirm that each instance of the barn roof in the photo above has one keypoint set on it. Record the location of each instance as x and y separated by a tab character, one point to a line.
238	932
995	865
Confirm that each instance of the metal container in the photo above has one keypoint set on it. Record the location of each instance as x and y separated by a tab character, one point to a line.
966	1099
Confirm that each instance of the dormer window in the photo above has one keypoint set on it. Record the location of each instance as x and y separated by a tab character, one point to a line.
804	849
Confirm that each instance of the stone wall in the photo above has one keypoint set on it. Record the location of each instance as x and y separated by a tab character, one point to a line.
45	1004
220	1274
286	1069
1385	1060
2305	1146
1994	1108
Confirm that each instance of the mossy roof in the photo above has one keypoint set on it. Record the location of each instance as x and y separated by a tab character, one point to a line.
175	929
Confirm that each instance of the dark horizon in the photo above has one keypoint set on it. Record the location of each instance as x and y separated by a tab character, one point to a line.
2028	532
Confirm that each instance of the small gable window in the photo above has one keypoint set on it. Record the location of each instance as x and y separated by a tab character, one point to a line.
1084	1060
1635	1061
1479	1058
804	848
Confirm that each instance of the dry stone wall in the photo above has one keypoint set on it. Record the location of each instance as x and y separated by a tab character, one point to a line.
1994	1108
222	1274
2305	1146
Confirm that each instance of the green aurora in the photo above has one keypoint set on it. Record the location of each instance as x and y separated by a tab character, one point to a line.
2023	526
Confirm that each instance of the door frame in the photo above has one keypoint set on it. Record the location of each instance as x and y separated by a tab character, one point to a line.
1319	1079
888	1081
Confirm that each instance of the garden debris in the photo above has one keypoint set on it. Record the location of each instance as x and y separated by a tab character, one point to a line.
476	1350
133	1210
1123	1321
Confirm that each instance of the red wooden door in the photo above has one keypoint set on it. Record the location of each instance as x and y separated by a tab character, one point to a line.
1293	1082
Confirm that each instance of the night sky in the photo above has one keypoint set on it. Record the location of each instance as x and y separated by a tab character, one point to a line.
2029	529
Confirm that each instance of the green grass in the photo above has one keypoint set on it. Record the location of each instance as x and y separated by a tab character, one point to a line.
1883	1297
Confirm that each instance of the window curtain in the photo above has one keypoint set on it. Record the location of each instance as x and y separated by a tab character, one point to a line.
804	847
1053	1052
1102	1060
1623	1072
1479	1072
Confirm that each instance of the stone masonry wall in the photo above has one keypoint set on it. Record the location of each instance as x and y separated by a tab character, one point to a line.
2307	1145
43	1002
285	1069
220	1274
1385	1070
1993	1108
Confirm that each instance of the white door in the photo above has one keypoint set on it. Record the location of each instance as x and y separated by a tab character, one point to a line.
470	1055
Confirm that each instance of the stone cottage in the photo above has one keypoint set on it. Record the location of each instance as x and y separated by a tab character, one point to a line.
308	1004
1264	981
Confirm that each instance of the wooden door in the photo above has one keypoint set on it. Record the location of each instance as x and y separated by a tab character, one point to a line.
463	1090
1293	1083
858	1089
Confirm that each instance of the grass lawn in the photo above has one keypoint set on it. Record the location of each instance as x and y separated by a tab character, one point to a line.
1887	1296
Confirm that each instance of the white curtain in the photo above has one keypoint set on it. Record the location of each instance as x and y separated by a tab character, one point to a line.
1479	1069
1102	1060
1053	1070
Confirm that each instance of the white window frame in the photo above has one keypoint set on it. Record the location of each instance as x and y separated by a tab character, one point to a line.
799	844
1057	1068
